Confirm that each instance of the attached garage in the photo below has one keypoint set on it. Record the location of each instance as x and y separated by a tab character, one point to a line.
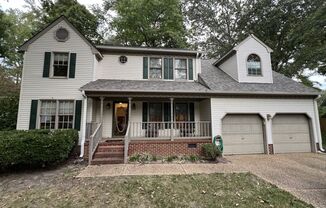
291	133
243	134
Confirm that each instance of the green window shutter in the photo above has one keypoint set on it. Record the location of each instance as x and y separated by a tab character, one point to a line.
192	111
145	67
166	68
33	115
191	69
78	110
145	110
72	65
170	68
47	63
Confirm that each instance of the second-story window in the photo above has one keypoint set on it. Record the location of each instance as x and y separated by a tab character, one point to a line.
254	65
60	64
155	68
181	69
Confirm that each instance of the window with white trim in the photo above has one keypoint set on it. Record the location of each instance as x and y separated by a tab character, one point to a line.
60	64
56	114
66	114
181	69
155	68
254	65
48	114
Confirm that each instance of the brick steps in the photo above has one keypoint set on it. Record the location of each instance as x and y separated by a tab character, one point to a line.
112	160
109	152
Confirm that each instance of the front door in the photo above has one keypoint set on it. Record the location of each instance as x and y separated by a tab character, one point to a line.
120	119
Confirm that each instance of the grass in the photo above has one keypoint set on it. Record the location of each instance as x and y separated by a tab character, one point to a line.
62	189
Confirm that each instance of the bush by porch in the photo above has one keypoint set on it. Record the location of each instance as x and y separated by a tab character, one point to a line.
35	148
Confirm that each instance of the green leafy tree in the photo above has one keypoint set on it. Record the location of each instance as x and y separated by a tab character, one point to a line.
8	112
295	29
152	23
86	22
19	28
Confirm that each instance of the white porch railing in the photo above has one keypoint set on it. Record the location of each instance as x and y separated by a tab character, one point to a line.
90	128
126	144
94	140
189	129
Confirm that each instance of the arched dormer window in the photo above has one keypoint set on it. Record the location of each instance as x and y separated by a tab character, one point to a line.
254	65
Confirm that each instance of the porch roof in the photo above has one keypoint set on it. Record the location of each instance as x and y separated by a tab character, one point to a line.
147	86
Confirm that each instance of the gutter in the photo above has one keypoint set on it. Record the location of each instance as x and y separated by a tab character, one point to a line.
83	133
318	131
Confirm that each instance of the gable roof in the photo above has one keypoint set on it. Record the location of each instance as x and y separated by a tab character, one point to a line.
235	48
220	82
25	45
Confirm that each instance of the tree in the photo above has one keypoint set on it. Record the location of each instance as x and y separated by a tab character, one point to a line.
77	14
3	35
214	25
19	29
281	24
152	23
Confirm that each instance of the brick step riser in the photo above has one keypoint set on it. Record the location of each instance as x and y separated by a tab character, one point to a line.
107	162
110	150
109	155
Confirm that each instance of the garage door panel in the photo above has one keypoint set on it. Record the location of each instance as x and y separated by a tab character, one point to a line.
242	134
291	134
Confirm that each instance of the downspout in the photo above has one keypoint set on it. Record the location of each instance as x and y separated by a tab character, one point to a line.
318	125
83	132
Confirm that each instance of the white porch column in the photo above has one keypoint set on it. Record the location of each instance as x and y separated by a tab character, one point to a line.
172	119
101	112
83	126
129	109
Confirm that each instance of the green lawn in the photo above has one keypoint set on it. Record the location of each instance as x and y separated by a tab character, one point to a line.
60	188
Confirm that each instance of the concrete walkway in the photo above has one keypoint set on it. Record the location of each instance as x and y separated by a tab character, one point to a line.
303	175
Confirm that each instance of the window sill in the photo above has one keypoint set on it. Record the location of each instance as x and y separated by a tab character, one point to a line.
57	77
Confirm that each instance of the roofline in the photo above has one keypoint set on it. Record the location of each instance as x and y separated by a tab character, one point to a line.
146	49
206	92
25	45
231	52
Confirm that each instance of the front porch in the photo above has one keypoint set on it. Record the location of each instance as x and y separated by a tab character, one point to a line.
144	124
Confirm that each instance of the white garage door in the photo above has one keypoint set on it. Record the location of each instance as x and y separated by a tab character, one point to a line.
291	134
243	134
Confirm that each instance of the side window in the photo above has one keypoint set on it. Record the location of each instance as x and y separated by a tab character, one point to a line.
60	64
181	69
155	68
254	65
48	114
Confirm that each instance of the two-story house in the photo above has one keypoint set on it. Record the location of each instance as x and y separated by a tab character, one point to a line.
126	100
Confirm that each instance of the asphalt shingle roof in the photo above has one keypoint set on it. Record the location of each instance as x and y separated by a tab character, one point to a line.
144	86
220	82
217	81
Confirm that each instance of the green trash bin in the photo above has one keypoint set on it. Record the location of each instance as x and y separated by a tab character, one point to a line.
218	141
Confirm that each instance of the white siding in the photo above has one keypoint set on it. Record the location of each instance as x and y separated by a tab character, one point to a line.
111	68
205	110
244	50
222	106
34	86
230	67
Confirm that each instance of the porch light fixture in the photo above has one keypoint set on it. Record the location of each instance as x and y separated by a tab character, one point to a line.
108	106
134	106
269	117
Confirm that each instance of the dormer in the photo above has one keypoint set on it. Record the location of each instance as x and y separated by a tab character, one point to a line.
248	62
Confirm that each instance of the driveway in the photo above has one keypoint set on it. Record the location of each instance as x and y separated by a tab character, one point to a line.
303	175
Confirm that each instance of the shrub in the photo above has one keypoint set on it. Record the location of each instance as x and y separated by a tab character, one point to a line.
171	158
193	158
8	112
211	152
142	158
35	148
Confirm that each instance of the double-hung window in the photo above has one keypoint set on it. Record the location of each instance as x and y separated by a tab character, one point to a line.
155	68
254	65
60	64
181	69
48	114
56	114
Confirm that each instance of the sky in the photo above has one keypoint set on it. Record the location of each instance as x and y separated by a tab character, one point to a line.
19	4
